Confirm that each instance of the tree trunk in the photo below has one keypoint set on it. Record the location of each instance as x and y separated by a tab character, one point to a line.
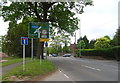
46	7
40	50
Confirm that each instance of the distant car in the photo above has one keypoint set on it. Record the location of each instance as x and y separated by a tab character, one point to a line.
54	55
66	55
50	54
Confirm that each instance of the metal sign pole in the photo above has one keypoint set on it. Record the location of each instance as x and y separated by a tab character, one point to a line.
38	34
23	57
31	48
40	60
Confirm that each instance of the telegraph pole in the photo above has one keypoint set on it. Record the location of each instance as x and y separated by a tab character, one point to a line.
80	35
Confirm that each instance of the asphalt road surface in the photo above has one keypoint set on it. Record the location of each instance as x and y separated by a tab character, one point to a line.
79	69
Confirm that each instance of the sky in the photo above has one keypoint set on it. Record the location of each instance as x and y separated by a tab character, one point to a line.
99	20
96	21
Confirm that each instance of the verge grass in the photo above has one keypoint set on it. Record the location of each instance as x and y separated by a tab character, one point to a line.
12	60
32	68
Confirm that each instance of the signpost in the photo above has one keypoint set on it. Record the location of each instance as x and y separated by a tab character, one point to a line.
31	48
43	40
24	41
46	45
38	30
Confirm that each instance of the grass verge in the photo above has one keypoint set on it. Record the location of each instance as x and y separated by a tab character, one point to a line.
32	68
12	60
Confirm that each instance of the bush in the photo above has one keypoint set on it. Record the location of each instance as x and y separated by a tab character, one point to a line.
108	53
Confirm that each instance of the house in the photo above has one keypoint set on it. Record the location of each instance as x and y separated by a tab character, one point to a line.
73	48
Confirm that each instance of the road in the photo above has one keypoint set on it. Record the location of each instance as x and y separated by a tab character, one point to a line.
79	69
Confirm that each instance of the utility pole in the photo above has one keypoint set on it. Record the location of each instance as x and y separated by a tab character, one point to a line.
75	37
75	44
80	35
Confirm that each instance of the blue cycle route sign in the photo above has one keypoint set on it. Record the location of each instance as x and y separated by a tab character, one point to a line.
24	41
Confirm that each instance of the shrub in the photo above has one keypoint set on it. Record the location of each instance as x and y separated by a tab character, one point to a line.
108	53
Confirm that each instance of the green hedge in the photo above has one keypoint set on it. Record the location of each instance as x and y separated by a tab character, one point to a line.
109	53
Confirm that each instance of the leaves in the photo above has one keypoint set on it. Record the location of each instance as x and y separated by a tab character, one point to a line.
81	44
102	43
58	14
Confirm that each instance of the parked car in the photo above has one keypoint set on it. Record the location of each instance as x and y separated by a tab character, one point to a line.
54	55
66	55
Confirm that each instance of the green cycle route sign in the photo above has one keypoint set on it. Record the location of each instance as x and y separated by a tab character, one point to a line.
38	30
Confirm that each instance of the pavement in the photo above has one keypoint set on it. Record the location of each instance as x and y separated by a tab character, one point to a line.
8	68
57	76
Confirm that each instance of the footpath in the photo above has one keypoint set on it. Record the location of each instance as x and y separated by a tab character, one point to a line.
9	67
57	75
53	76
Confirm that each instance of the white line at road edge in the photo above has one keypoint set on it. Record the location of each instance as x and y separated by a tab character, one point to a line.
91	67
66	76
60	71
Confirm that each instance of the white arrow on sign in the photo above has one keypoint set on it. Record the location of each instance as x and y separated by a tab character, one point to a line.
37	31
24	41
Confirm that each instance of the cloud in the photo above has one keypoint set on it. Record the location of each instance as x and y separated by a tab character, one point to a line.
3	28
99	20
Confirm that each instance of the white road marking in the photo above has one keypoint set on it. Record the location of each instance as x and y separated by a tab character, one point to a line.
66	76
60	71
91	67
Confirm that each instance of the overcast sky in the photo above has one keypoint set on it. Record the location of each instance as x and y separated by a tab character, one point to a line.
96	21
99	20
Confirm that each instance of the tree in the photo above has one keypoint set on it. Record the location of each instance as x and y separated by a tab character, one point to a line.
91	44
107	37
12	41
79	39
58	14
116	39
102	43
81	44
58	42
86	41
66	49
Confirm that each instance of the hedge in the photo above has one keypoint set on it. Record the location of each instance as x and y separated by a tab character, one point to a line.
108	53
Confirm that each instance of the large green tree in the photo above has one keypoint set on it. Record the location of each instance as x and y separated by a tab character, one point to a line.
12	41
91	44
58	14
102	43
58	42
86	41
116	39
81	44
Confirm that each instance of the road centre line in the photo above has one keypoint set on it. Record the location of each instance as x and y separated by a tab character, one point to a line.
91	67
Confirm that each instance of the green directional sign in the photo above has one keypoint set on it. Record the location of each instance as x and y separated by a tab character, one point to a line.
38	30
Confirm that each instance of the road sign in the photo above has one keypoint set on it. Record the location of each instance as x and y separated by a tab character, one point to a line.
24	41
46	44
38	30
43	40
